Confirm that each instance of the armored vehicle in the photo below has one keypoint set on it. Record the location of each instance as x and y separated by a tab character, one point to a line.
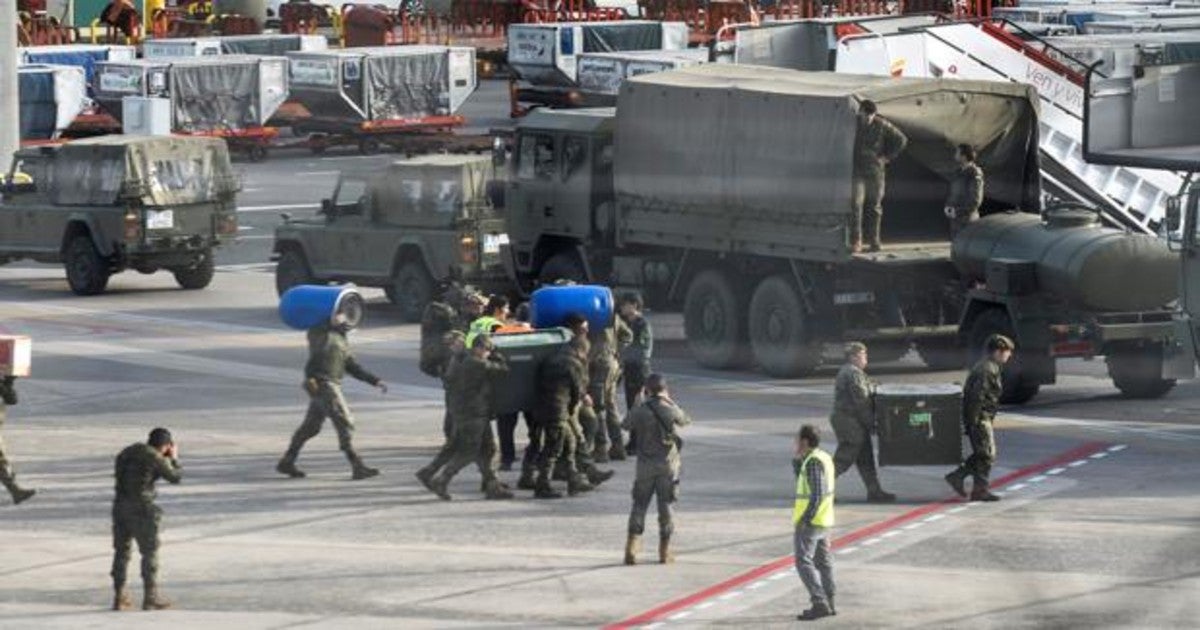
401	228
103	205
726	191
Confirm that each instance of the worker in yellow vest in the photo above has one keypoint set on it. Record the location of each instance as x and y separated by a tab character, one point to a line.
813	520
495	315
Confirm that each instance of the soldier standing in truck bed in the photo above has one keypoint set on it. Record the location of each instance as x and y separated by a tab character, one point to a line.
136	517
981	400
876	143
853	420
8	396
966	190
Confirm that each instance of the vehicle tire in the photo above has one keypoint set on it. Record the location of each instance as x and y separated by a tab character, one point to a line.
369	146
714	321
256	153
318	144
942	354
779	330
562	266
1017	390
197	276
411	290
291	271
87	271
1137	372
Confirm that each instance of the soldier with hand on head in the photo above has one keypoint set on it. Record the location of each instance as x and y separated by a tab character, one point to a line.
329	361
876	143
655	422
853	421
8	396
981	401
136	517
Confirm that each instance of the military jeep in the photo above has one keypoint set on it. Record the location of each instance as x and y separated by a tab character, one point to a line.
103	205
401	228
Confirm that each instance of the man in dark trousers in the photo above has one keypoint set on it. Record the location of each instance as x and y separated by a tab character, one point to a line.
966	190
876	143
329	361
655	423
853	420
812	520
136	517
8	396
981	400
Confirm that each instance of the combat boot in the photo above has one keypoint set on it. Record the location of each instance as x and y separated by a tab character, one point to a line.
437	485
595	476
359	470
561	472
600	454
288	467
633	546
878	495
816	612
527	481
21	495
121	600
154	601
664	550
980	492
495	490
425	476
617	452
832	608
956	481
543	489
578	484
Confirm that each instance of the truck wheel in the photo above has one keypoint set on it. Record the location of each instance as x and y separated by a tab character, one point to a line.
411	290
779	334
1017	390
256	153
291	271
714	322
369	146
87	272
942	354
562	266
1137	372
197	276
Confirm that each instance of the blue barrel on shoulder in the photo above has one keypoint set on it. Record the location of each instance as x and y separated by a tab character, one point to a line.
307	305
550	306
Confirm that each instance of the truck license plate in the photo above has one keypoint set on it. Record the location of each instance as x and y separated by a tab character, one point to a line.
160	219
492	243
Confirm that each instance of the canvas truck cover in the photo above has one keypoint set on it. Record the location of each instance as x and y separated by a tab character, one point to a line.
431	190
760	160
161	171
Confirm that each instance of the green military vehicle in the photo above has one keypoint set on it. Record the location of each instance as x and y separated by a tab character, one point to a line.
103	205
401	229
725	192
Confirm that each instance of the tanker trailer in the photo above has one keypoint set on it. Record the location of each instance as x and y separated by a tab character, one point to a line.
1062	285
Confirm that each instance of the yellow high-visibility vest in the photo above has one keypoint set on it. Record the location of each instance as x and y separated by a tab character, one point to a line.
824	514
481	326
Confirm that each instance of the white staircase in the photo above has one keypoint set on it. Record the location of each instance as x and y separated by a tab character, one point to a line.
1131	198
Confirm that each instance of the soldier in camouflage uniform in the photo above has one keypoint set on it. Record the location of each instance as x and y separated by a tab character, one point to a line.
328	362
454	341
562	388
441	316
853	421
876	143
8	396
655	422
981	400
469	396
586	427
966	190
604	371
136	517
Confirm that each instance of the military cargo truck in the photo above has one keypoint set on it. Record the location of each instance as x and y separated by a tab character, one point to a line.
103	205
725	191
401	228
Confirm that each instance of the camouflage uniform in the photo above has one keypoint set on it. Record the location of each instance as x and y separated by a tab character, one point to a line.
981	400
469	394
8	396
329	361
635	358
966	195
874	143
443	456
658	461
604	371
134	514
852	420
561	388
438	319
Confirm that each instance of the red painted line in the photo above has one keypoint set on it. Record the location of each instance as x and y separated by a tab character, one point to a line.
663	610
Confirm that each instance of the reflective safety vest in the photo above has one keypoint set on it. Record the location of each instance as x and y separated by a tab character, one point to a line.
824	514
481	326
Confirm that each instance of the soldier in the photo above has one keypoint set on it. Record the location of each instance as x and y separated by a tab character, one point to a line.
562	388
655	422
469	396
853	421
8	396
966	190
328	361
136	517
635	357
981	399
876	143
604	370
586	427
812	518
440	317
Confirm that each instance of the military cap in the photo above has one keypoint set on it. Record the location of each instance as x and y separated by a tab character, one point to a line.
855	347
999	342
472	295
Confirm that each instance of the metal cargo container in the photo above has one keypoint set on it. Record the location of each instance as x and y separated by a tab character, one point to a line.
919	425
394	82
181	47
1139	26
747	159
206	93
50	99
544	54
1120	51
82	55
272	44
603	73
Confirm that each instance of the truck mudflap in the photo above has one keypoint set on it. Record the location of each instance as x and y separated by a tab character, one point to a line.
1179	359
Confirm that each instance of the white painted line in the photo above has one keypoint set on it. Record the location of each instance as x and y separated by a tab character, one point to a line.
681	615
848	550
273	208
1117	447
780	575
956	510
935	517
910	527
872	541
1015	487
729	595
970	504
757	585
708	604
890	534
1056	471
1077	463
1038	479
657	624
1100	455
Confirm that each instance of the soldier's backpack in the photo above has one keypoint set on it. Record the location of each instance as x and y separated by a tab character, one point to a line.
437	320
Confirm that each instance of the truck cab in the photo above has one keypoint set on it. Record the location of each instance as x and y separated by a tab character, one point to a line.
401	229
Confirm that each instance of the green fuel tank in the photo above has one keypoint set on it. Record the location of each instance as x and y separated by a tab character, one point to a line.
1089	266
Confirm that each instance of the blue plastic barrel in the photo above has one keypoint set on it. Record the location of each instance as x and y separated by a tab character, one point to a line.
307	305
550	306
